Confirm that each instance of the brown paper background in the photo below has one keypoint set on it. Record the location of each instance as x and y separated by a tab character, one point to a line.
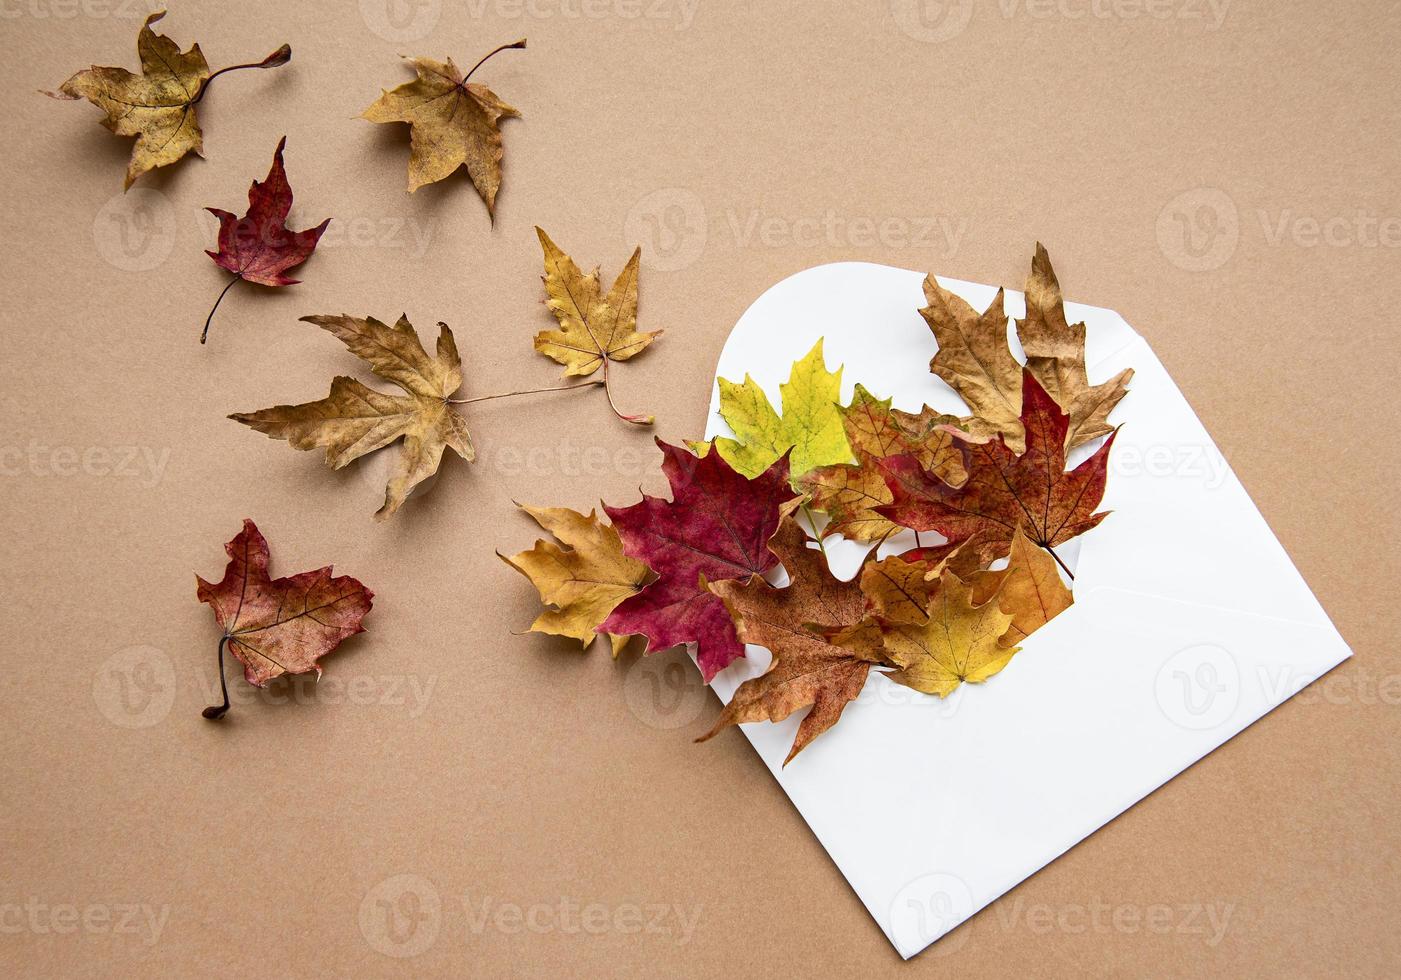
533	775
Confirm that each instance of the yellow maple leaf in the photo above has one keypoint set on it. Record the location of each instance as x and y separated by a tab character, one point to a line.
452	123
354	420
957	644
582	578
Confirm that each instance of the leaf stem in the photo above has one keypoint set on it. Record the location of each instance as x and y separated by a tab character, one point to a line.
608	390
1059	562
504	47
205	335
527	391
812	523
279	57
215	712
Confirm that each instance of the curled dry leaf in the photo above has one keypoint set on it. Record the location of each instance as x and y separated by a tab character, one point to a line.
1005	491
717	526
820	656
157	106
957	643
354	420
583	578
278	626
594	330
810	428
452	123
850	493
259	247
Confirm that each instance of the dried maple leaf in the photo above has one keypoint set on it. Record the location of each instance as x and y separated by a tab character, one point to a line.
452	123
1005	491
354	420
897	590
259	247
594	330
716	526
803	625
278	626
958	642
810	426
583	580
974	359
850	493
1055	354
157	106
1029	590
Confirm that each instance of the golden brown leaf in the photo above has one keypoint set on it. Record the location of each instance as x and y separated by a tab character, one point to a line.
974	358
584	579
958	643
354	420
1029	589
452	123
157	106
1055	354
808	668
899	591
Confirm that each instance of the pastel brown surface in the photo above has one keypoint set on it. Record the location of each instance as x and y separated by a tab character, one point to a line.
506	771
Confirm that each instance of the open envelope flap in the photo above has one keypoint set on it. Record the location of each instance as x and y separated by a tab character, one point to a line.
1189	623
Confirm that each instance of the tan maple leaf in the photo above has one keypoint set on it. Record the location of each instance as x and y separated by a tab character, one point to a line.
808	668
1055	354
354	419
584	579
157	106
452	123
1029	589
958	643
974	359
594	330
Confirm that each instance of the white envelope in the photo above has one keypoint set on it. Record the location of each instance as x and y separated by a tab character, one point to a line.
1189	623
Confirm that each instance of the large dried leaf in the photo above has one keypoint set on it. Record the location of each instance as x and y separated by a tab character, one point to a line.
1055	354
452	123
1029	590
583	578
1005	491
974	358
354	420
804	626
957	644
280	626
810	426
717	526
593	329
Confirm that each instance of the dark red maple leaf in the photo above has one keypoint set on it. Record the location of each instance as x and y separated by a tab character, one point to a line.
1004	490
259	247
278	626
716	526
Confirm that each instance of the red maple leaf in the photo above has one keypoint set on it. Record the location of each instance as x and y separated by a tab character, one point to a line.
1004	490
259	247
278	626
716	526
